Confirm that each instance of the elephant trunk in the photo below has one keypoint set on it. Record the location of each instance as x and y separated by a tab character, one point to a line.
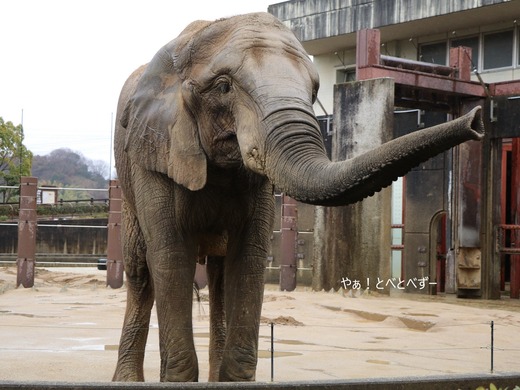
297	163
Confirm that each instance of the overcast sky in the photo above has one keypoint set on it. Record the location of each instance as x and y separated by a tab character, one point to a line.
63	62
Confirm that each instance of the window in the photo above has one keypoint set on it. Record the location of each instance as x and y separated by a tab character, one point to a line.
498	50
345	75
434	53
472	43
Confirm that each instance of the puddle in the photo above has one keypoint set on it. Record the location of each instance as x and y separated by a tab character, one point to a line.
411	323
95	347
376	361
368	315
27	315
84	324
287	342
78	303
363	314
292	342
332	308
281	320
274	298
267	354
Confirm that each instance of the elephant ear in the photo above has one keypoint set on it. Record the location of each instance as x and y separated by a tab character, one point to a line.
187	163
162	133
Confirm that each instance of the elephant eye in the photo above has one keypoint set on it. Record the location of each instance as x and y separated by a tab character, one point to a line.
223	86
314	96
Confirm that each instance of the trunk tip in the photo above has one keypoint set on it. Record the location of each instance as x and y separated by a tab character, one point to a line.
477	124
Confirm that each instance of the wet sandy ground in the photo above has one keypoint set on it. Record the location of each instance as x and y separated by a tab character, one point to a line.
67	328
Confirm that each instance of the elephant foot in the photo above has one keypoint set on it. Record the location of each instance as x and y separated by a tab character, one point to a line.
128	375
129	367
181	377
238	368
180	369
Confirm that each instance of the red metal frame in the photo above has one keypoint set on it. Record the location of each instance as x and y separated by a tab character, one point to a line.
429	86
419	83
515	212
506	147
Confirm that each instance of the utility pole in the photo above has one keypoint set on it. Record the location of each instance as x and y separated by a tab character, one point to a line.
20	148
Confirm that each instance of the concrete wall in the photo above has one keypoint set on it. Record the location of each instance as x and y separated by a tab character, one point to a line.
60	241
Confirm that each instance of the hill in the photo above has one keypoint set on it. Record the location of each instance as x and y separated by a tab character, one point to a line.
66	168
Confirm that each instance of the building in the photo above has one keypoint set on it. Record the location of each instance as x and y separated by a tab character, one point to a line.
453	217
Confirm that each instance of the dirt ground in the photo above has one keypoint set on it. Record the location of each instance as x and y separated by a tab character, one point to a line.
67	328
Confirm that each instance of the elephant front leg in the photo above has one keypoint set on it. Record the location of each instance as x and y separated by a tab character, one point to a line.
173	275
217	333
243	308
139	302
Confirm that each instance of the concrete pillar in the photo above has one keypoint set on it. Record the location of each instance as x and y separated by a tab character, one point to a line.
468	206
354	241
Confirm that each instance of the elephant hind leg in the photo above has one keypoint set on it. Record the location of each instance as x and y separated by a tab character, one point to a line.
140	299
217	334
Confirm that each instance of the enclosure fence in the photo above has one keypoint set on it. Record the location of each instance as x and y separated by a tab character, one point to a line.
279	351
28	224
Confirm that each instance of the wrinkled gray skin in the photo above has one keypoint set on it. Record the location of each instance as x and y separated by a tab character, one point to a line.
204	131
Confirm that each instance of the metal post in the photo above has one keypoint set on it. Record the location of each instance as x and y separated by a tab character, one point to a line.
492	342
272	351
27	223
114	249
288	244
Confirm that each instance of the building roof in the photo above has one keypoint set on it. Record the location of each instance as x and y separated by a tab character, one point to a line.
325	26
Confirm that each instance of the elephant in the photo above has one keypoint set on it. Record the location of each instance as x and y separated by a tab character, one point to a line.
205	132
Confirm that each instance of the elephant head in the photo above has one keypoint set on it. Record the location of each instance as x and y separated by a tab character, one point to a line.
240	91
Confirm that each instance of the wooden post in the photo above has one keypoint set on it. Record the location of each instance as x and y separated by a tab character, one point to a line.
27	223
288	265
115	264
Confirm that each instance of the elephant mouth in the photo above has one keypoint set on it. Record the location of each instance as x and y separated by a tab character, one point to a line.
228	150
226	136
